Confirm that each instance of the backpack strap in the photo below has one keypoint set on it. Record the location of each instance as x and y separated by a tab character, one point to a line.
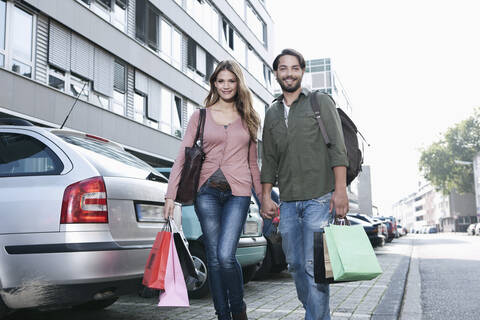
316	110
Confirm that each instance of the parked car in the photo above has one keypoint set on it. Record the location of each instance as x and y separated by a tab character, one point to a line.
477	229
373	232
377	241
471	229
390	228
250	253
79	216
401	230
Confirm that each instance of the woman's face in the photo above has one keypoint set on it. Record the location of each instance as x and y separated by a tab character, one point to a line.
226	85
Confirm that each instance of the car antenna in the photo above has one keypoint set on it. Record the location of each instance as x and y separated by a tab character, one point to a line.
71	109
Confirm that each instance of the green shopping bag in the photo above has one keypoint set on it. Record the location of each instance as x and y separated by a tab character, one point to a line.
351	254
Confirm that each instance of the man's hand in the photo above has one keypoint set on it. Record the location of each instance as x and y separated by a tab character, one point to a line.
168	208
269	208
339	201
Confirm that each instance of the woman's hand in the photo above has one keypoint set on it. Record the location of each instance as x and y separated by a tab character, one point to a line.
168	208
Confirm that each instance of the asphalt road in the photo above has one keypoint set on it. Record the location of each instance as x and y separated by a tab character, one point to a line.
449	266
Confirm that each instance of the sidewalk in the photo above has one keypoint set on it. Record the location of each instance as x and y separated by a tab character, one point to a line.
275	298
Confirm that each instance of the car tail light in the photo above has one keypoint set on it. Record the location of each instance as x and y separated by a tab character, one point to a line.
85	202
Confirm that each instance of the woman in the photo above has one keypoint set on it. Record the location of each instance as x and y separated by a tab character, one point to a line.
228	172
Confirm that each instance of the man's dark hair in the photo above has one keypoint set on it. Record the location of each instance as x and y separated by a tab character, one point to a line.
289	52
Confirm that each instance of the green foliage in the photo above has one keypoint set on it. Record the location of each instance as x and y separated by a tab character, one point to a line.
460	142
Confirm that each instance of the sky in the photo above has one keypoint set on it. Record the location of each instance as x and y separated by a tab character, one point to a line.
411	69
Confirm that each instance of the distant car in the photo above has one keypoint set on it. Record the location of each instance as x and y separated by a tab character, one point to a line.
251	248
79	217
471	229
431	230
373	232
401	230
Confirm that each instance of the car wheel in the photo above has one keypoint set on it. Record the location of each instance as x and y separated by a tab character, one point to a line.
266	266
4	310
97	304
200	288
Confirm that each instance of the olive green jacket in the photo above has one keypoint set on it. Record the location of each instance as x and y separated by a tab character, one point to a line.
297	155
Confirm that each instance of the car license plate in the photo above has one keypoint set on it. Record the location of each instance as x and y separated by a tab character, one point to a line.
149	212
251	228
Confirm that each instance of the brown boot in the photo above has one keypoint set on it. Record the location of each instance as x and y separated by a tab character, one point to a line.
240	316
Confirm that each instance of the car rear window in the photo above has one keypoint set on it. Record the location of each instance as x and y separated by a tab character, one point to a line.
23	155
94	147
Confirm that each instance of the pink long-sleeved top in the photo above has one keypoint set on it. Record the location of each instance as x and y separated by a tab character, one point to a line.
225	148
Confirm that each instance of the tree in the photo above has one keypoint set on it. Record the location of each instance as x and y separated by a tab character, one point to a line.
460	142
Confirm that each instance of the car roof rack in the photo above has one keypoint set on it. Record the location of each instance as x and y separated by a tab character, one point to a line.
15	122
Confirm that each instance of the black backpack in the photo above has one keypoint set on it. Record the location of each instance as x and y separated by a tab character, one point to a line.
355	158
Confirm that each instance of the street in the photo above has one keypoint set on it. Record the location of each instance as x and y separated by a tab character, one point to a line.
439	272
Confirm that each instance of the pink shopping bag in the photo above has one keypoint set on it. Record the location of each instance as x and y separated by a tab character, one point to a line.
175	293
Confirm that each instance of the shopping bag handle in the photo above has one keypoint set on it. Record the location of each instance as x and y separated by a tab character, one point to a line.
172	225
341	222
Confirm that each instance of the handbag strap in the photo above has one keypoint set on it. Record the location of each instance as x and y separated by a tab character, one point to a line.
316	110
200	127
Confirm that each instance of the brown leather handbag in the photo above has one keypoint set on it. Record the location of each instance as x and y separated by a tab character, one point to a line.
194	156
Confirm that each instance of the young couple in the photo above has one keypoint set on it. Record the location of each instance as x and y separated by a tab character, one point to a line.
311	179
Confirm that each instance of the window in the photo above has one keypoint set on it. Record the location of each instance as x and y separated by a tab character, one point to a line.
191	107
205	15
239	51
239	7
255	66
118	102
199	62
227	36
101	100
22	42
166	111
79	87
176	49
22	155
177	117
56	79
119	14
139	107
146	23
3	20
255	24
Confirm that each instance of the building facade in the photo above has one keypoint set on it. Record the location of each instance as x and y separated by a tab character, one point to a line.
429	207
139	67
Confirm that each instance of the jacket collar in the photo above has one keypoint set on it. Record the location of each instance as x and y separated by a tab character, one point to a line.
305	92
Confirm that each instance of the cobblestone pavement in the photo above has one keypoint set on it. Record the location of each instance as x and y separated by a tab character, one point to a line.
274	298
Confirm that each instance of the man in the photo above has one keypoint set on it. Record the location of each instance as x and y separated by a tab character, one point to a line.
311	177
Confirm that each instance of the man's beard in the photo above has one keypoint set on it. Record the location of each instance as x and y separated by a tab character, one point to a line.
287	88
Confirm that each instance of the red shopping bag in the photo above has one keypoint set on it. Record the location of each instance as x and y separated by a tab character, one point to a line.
175	292
155	269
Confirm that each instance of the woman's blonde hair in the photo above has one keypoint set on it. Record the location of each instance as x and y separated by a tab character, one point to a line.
243	98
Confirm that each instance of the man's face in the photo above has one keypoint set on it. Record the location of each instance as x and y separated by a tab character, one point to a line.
289	73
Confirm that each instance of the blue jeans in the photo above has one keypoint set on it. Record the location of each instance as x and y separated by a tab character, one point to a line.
298	221
222	217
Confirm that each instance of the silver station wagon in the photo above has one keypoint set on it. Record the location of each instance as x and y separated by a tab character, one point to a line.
78	216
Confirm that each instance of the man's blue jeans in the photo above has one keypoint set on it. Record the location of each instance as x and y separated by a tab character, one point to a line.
222	217
298	221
